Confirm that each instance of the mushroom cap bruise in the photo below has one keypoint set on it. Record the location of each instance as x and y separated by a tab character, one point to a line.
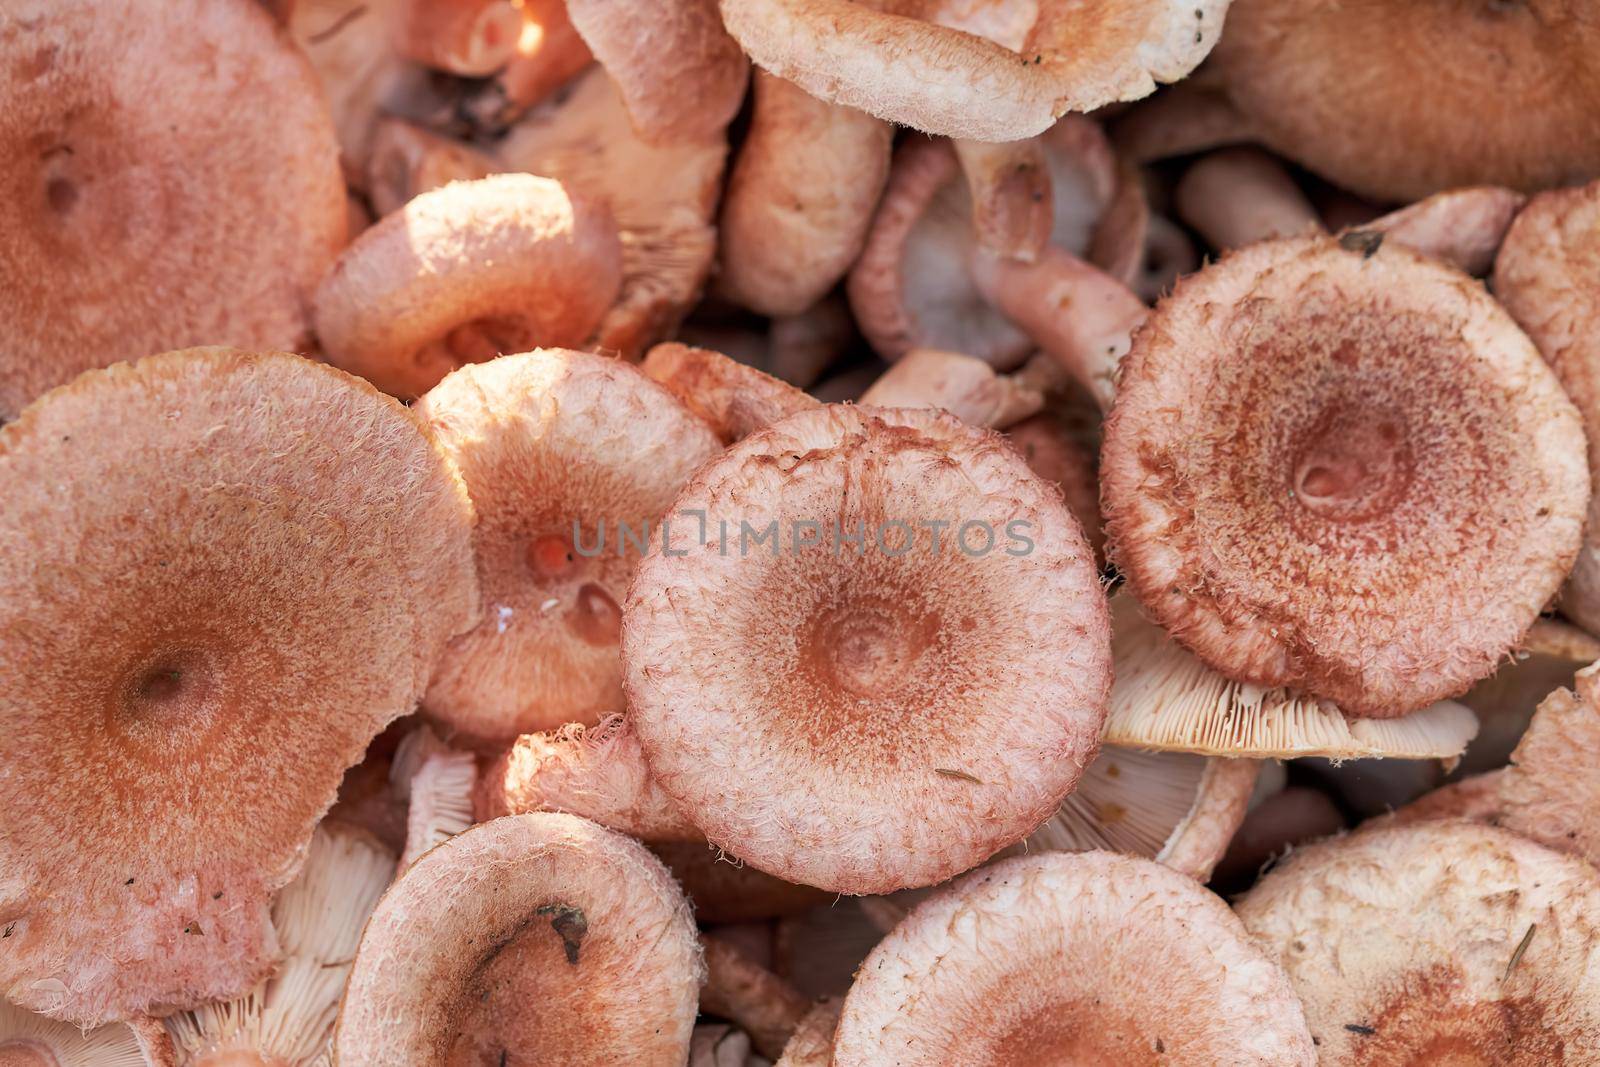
932	701
663	197
558	449
1447	94
1439	942
1346	472
465	272
171	178
1545	276
252	570
1067	959
534	938
941	67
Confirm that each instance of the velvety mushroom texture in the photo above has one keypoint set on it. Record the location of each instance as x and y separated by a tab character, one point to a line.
251	569
990	70
931	700
1314	447
570	459
1441	942
463	273
170	178
529	939
1545	275
1396	101
1070	959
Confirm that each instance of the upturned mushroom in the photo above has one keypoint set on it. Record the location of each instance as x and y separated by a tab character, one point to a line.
1545	277
149	202
1439	942
467	272
570	459
266	558
532	938
288	1018
949	691
986	71
1371	425
1087	958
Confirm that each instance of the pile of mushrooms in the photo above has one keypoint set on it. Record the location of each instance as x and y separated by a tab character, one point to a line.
815	533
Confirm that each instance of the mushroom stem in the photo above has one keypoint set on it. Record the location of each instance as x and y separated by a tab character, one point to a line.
1238	196
1013	209
742	991
968	388
1181	119
1462	227
470	38
1081	316
1197	845
802	346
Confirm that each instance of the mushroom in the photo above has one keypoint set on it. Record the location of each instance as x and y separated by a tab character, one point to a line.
1505	701
742	991
1165	699
1237	196
288	1018
732	398
583	139
967	388
949	693
29	1040
1544	276
720	1045
1281	822
1463	227
597	772
723	889
1503	96
911	287
465	272
438	793
407	160
1549	792
149	202
472	38
680	75
567	456
266	558
800	198
802	347
1085	958
821	949
1442	941
1013	210
1166	255
985	71
1370	424
1476	798
812	1043
1053	452
532	938
549	54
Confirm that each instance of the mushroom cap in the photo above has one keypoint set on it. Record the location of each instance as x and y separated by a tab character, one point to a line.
911	286
800	198
1071	958
733	398
171	179
1439	942
1544	275
221	574
582	138
464	272
1313	448
966	387
983	71
558	449
1176	808
1167	700
542	938
680	75
1446	97
1055	454
1506	700
29	1040
1476	798
1551	792
932	702
1462	227
812	1043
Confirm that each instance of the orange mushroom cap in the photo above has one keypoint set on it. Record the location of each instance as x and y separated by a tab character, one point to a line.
1071	958
171	178
465	272
932	701
567	456
1345	472
988	71
222	574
